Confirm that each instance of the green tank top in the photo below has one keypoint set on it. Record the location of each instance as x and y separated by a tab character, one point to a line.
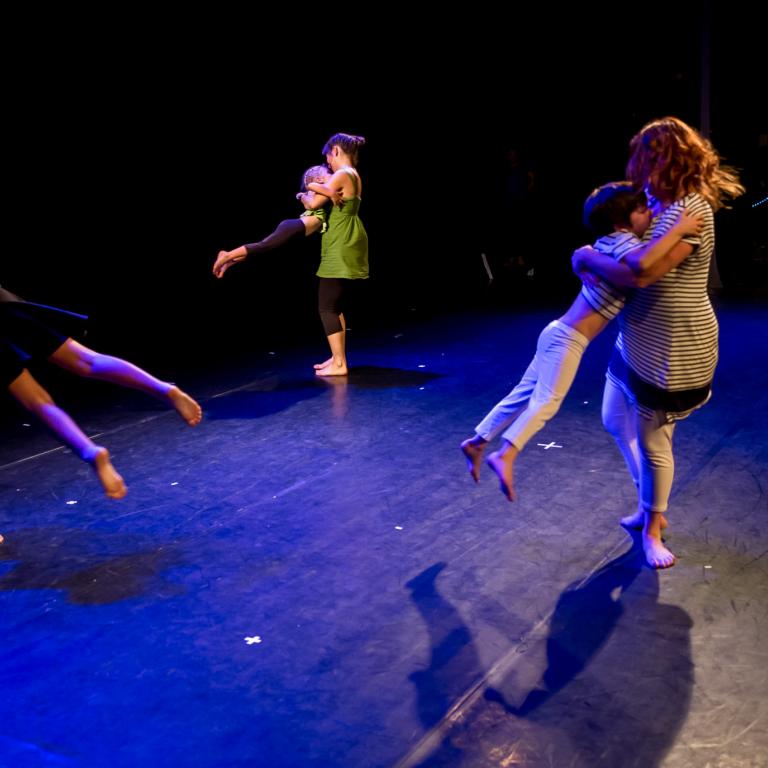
344	248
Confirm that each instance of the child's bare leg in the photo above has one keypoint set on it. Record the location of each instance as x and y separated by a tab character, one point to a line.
473	449
502	463
226	259
80	360
326	363
37	400
656	554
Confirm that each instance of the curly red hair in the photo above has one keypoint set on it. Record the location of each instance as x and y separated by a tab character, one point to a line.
672	160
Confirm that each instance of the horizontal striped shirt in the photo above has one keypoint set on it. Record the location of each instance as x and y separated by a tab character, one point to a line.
604	297
669	330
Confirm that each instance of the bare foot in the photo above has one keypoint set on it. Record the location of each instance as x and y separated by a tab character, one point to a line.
113	483
656	554
503	470
637	521
188	409
474	454
224	261
332	369
325	364
1	538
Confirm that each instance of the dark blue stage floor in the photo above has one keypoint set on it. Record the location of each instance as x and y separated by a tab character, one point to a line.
310	578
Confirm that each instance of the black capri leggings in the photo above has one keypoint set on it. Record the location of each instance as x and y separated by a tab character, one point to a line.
330	302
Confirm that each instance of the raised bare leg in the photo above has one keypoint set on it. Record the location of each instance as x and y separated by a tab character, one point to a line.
473	449
78	359
502	463
37	400
112	482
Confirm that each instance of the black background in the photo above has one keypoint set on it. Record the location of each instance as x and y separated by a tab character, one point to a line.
139	144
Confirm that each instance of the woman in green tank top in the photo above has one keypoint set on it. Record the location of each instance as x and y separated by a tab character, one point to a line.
344	250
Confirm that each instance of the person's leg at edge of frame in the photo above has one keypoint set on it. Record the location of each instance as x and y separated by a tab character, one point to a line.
78	359
28	392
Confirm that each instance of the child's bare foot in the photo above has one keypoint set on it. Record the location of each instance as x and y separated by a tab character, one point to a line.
637	521
503	470
656	554
224	261
333	368
324	364
188	409
473	451
113	484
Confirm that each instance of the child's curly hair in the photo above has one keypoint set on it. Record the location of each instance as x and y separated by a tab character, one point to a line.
313	174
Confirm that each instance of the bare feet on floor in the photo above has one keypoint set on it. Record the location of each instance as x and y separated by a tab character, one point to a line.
637	521
113	483
188	409
332	369
473	451
656	554
324	364
503	470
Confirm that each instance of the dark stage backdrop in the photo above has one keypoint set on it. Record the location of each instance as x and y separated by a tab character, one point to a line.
131	163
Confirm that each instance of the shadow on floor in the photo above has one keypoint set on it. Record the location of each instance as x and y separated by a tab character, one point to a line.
454	664
379	377
611	649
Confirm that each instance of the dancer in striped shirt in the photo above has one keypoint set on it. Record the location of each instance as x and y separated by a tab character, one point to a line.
618	215
666	352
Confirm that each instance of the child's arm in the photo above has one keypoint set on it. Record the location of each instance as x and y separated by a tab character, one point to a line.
332	188
327	192
643	261
312	200
644	265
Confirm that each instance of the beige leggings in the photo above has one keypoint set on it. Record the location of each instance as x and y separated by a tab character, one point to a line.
645	443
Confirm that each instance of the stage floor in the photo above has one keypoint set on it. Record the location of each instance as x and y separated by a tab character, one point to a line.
310	577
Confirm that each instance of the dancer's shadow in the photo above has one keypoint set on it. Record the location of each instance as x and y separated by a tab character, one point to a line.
378	377
263	398
454	663
91	568
639	692
582	622
272	395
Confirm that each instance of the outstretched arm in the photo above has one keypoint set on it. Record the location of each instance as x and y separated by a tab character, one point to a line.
644	265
